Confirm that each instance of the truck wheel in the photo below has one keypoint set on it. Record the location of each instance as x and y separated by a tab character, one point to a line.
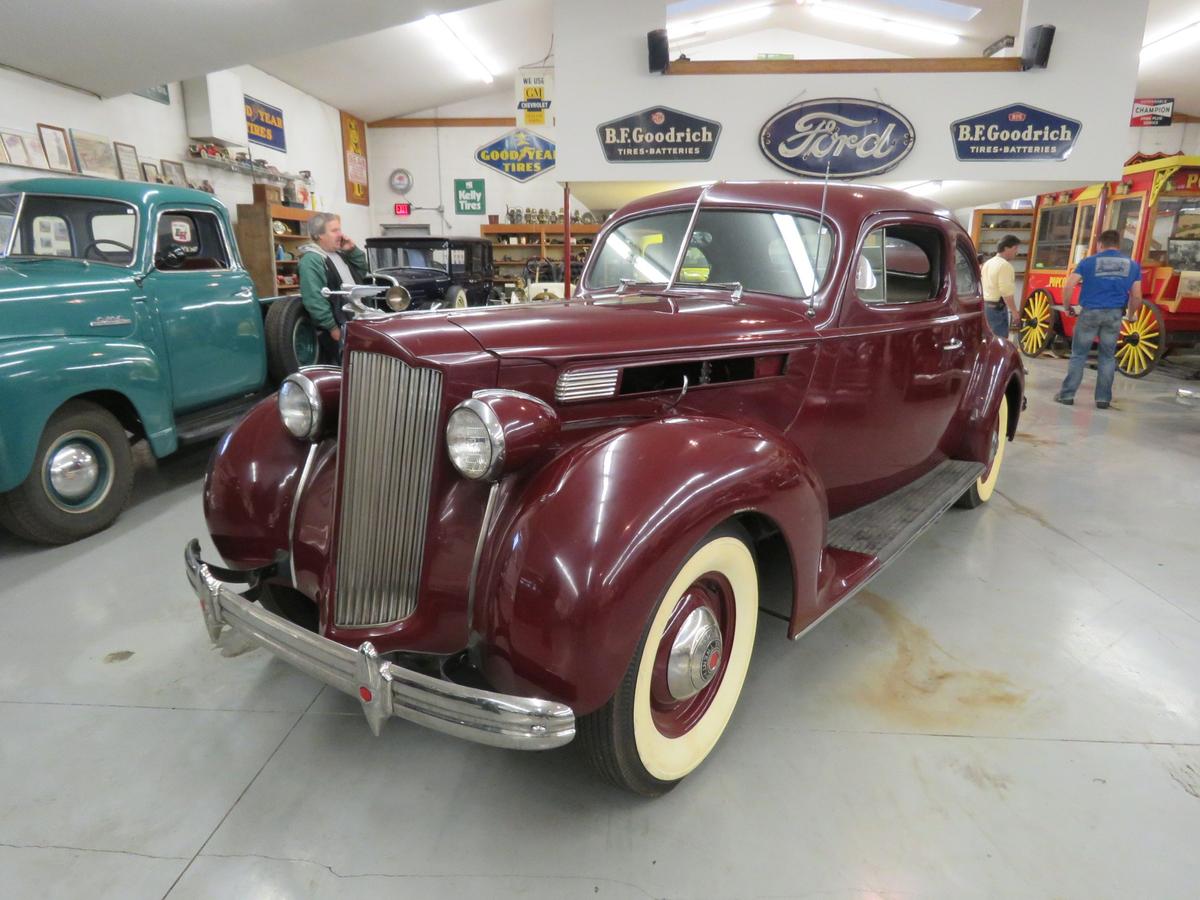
686	676
80	480
981	491
456	298
291	338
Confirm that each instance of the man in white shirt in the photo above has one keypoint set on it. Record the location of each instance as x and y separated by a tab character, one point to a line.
999	286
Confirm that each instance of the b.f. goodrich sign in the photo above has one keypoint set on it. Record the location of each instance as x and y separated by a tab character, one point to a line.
1015	132
847	138
659	134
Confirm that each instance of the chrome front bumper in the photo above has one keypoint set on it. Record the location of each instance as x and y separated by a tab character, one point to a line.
383	688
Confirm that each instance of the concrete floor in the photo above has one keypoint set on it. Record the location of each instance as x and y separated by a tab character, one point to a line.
1012	711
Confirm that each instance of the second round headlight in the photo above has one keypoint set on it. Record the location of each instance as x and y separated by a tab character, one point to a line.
300	407
475	440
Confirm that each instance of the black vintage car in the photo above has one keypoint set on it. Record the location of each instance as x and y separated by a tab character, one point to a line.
438	272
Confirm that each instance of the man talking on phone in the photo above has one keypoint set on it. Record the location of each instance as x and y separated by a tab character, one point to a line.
332	261
1112	290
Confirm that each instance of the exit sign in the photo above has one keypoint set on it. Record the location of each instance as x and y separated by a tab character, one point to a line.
402	209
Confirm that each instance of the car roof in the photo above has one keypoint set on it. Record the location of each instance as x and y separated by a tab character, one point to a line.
140	193
842	200
425	239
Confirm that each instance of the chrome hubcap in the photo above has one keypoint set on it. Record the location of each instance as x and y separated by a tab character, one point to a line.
74	472
696	654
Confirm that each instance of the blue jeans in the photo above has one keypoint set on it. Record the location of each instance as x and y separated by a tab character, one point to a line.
997	318
1093	323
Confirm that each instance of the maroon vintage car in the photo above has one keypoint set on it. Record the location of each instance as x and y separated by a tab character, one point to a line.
515	523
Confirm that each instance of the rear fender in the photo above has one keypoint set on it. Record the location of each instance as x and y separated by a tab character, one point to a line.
998	373
40	375
581	554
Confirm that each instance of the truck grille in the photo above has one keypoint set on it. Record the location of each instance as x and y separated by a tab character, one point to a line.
389	434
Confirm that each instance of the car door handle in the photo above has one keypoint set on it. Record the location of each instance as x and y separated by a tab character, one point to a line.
106	321
245	293
954	344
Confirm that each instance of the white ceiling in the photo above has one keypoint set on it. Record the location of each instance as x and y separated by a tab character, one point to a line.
119	46
1176	74
404	69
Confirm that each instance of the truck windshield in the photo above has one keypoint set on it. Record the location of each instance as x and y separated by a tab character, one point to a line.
8	214
416	256
97	230
764	251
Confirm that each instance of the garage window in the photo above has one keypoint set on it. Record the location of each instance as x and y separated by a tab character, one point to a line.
899	264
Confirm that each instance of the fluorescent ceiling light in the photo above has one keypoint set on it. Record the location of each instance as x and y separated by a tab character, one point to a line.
1176	40
727	19
940	9
849	15
457	49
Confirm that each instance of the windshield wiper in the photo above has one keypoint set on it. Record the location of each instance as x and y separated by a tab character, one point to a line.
734	286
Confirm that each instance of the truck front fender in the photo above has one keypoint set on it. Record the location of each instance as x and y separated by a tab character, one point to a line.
37	376
594	538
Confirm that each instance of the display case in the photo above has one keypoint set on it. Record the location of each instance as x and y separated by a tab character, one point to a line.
269	237
514	245
988	226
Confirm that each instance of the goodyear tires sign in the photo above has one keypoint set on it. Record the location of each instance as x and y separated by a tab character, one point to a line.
846	138
520	154
264	124
1014	132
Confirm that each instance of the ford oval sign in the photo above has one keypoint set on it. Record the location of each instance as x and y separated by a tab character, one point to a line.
847	138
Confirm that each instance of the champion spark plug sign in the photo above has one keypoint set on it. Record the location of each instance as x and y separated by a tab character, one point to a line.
520	154
659	134
846	138
1015	132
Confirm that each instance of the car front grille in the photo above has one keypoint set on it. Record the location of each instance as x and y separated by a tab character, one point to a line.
389	435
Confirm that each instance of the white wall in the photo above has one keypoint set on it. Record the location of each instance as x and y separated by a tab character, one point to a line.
1091	77
159	132
1171	139
438	156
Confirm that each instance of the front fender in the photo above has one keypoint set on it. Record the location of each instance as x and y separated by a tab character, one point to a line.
595	537
37	376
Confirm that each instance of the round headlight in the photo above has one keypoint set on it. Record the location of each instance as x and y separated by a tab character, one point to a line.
300	407
475	440
398	298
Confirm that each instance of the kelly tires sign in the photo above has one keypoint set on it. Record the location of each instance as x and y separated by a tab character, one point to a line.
469	197
659	134
1014	132
520	154
846	138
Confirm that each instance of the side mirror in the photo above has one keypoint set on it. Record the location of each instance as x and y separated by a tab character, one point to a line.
864	275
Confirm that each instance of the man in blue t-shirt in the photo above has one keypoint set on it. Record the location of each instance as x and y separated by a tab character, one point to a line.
1112	289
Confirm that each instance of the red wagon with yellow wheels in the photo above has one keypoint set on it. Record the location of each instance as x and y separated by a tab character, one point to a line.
1155	207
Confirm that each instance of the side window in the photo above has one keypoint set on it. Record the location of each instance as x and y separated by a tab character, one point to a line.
965	282
189	241
899	264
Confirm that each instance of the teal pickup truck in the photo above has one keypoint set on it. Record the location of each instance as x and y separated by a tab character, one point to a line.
125	313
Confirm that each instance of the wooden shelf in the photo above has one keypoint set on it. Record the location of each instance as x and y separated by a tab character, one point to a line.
259	244
544	240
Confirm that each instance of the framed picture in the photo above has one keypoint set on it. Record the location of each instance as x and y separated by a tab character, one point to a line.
150	173
95	155
14	148
57	148
33	149
174	173
127	161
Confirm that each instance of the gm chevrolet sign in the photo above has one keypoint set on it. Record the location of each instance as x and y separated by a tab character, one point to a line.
659	134
847	138
1015	132
520	154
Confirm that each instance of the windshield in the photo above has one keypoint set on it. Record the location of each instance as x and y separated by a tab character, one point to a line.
766	252
8	213
420	256
74	228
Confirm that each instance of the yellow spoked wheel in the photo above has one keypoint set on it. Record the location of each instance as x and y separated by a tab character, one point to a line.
1141	342
1037	323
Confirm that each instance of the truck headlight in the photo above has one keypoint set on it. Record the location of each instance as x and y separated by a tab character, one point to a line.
300	407
475	440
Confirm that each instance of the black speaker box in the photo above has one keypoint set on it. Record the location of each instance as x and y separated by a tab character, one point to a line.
1037	47
660	54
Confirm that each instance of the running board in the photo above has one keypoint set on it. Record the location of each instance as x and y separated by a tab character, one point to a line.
882	530
215	421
